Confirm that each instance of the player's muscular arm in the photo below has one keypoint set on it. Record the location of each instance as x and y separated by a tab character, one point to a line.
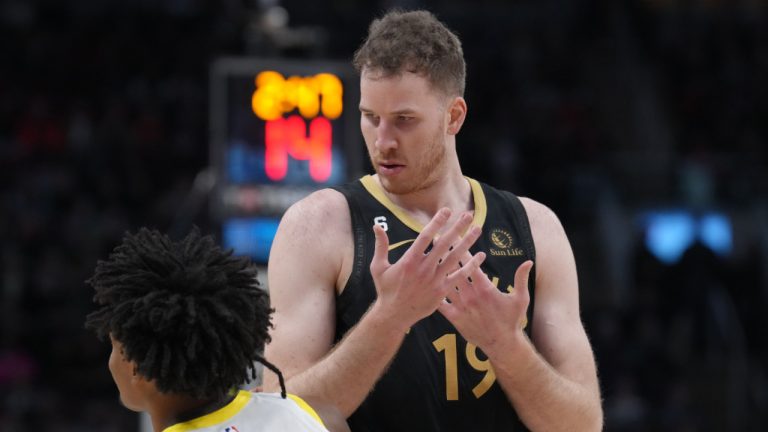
332	418
551	382
305	265
305	260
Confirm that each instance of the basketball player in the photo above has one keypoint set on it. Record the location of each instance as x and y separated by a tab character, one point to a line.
404	297
187	321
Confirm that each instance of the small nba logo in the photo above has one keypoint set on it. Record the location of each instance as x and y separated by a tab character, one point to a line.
231	429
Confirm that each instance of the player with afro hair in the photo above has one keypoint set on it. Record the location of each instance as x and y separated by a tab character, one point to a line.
188	321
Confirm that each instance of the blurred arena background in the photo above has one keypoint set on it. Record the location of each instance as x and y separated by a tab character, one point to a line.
642	123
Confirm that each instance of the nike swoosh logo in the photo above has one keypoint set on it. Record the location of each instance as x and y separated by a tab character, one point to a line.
398	244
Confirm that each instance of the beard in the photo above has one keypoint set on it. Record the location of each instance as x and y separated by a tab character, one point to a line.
421	173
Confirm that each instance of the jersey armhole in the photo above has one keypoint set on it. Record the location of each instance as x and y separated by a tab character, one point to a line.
360	258
358	261
521	219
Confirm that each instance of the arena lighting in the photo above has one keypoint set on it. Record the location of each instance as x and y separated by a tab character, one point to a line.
250	236
668	233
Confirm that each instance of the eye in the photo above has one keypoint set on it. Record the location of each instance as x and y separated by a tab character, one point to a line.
406	121
371	117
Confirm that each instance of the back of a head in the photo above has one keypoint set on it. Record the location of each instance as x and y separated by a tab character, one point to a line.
190	315
414	42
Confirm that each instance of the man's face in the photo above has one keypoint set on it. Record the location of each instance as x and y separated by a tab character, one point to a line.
404	124
126	381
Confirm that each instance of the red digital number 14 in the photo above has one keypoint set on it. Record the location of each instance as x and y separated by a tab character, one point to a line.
288	137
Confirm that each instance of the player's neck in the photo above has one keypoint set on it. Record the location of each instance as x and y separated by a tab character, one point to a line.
452	191
174	409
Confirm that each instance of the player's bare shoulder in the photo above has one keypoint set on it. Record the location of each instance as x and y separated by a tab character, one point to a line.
545	225
554	257
322	216
318	228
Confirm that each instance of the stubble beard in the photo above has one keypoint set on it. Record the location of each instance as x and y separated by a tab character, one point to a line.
425	174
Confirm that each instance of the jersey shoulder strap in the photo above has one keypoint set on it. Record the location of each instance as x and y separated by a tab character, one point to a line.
354	192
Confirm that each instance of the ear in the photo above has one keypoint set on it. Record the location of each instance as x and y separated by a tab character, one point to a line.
457	112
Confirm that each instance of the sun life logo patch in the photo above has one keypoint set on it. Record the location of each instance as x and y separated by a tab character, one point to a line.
503	242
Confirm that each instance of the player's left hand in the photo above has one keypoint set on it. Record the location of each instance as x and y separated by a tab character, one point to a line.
485	316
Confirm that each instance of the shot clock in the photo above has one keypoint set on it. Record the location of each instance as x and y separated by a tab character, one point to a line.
280	129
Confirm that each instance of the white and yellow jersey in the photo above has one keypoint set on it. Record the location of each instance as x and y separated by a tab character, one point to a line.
257	412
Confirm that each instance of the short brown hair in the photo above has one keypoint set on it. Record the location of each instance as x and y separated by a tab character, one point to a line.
415	42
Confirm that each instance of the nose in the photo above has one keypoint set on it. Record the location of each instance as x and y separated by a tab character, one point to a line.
385	138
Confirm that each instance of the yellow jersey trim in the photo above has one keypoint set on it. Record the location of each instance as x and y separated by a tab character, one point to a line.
372	186
398	244
305	406
219	416
481	207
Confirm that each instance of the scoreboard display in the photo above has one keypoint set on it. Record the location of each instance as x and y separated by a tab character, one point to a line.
280	129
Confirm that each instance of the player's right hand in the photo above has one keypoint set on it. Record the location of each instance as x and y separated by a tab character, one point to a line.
414	287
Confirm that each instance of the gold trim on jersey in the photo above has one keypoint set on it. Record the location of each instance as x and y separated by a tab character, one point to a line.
398	244
372	186
481	208
306	407
219	416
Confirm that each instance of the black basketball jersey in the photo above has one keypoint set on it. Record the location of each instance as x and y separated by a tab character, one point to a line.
437	381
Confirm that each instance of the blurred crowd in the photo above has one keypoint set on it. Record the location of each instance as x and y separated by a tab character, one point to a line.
583	105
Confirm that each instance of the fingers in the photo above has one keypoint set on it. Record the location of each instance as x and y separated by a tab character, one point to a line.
447	241
380	259
430	231
521	278
464	257
461	279
448	310
460	249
